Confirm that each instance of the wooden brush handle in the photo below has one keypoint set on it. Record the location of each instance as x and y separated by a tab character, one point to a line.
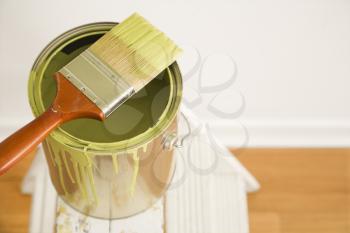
70	103
25	140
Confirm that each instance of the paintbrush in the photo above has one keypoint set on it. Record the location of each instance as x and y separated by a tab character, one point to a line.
97	82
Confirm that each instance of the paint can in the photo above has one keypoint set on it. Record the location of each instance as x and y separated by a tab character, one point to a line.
120	167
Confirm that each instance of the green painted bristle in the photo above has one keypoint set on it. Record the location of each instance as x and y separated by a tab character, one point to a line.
136	50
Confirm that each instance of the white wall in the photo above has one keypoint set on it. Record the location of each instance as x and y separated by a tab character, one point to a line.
291	61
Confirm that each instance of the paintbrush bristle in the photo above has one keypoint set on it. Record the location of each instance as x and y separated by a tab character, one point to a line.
136	51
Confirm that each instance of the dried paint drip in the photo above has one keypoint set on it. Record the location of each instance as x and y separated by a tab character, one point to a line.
136	171
79	168
136	160
82	174
115	163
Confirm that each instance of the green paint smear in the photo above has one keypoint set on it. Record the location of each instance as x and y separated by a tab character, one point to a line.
134	117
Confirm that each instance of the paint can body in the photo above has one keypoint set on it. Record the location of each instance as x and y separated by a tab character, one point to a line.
112	169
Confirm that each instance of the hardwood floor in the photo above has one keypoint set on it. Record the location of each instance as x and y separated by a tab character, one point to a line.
302	191
14	207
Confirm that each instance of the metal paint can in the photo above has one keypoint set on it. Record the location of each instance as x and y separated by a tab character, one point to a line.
117	168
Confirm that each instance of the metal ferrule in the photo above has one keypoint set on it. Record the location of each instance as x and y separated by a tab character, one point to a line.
98	82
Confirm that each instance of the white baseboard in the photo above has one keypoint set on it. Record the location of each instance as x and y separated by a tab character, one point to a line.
288	133
259	133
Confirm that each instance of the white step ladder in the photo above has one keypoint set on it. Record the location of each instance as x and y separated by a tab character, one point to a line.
207	195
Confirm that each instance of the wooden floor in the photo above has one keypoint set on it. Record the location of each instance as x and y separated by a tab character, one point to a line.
303	191
14	207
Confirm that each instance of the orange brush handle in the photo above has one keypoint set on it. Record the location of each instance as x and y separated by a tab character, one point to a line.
25	140
69	104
